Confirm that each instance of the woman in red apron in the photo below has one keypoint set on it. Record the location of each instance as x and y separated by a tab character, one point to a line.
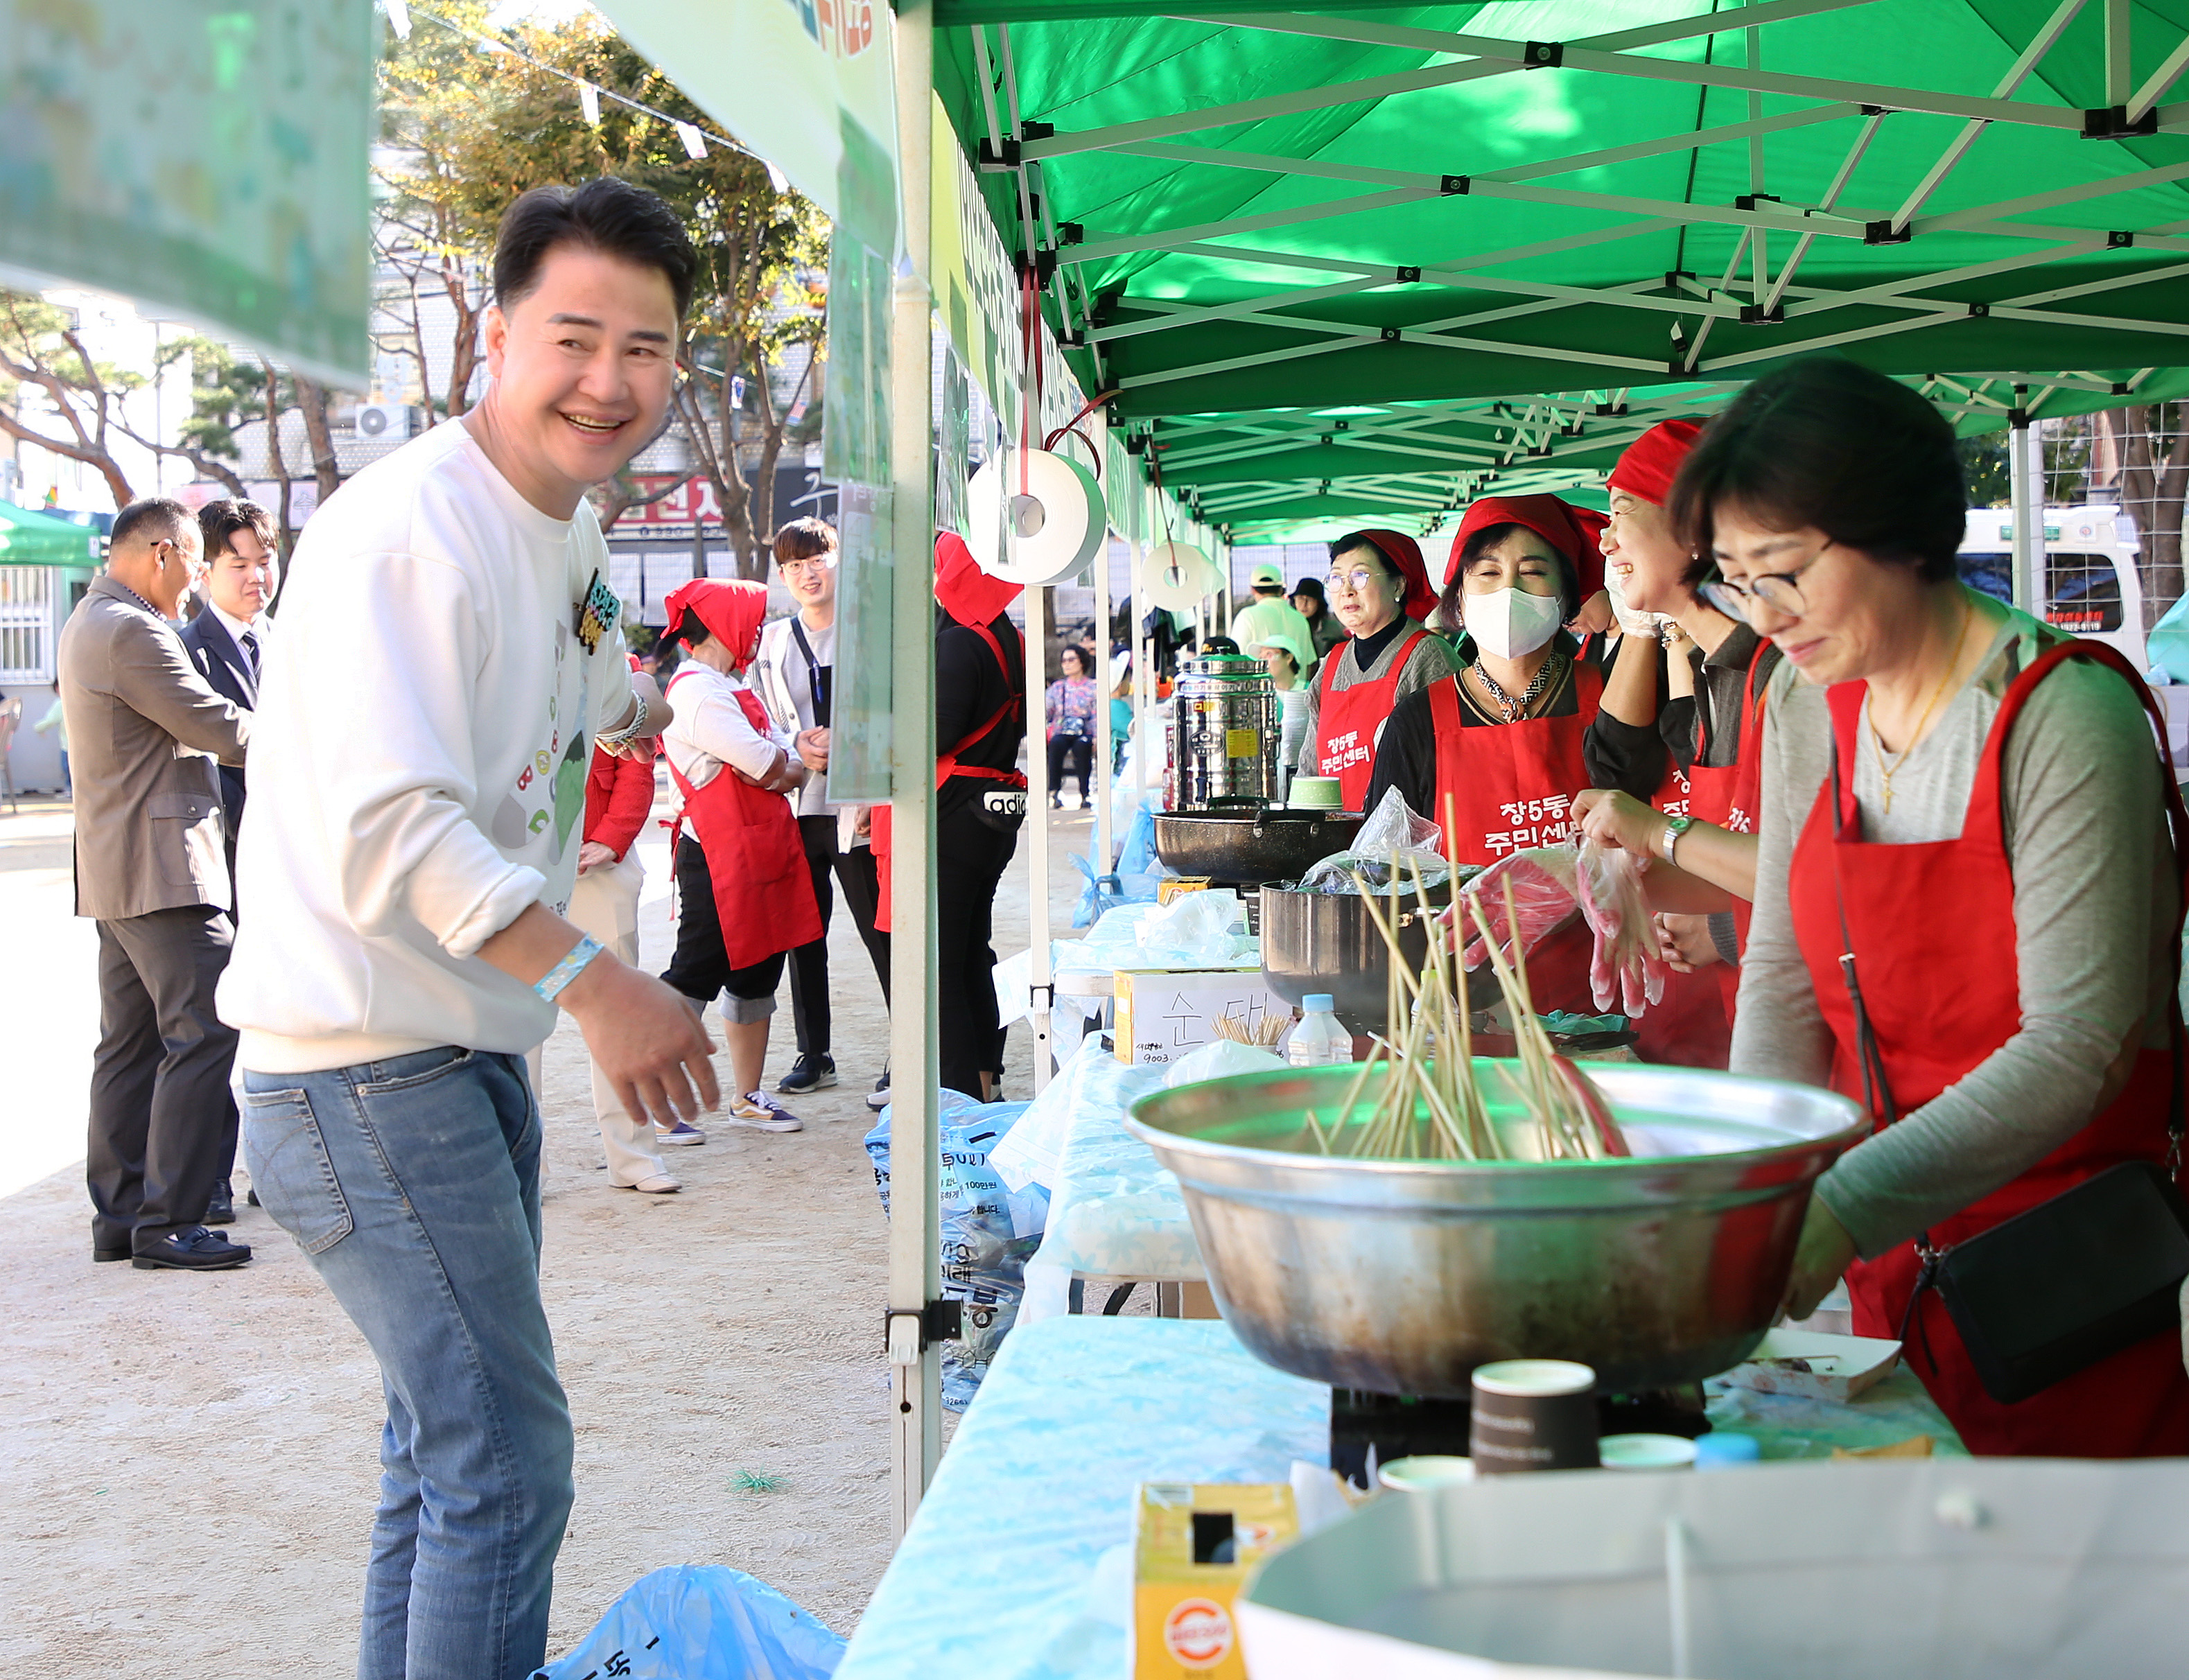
979	803
745	892
1696	748
1380	590
1970	828
1497	746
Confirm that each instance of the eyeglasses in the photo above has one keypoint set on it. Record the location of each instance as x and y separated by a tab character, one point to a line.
818	562
1781	591
1358	581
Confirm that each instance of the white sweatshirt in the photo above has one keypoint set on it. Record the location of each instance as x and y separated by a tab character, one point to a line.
708	728
418	764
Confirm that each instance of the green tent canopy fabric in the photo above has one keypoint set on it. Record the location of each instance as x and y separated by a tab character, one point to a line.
1368	260
29	539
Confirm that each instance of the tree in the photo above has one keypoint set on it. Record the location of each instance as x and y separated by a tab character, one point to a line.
40	349
2151	442
469	128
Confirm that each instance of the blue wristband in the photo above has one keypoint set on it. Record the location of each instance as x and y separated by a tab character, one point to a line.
550	985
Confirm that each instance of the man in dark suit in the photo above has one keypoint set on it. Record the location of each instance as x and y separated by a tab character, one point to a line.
151	868
226	640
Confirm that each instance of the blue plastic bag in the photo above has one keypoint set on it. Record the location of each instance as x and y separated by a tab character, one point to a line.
694	1621
988	1232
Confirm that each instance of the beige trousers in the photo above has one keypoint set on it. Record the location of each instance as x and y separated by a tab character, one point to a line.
605	904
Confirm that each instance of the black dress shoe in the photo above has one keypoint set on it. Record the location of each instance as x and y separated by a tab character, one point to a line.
101	1256
196	1249
252	1198
220	1209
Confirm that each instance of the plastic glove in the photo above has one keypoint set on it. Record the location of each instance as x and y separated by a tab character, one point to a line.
1626	966
1543	893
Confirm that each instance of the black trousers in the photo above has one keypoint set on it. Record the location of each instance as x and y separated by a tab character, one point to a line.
700	968
1063	751
863	897
970	858
162	1116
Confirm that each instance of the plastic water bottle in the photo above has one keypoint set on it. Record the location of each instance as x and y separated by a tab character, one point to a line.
1319	1040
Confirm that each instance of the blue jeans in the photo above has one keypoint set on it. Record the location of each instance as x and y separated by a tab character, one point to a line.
413	1185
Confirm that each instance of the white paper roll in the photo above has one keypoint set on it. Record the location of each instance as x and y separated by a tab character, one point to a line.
1057	520
1178	575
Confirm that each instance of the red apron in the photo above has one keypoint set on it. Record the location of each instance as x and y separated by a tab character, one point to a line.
1347	720
878	822
1942	990
1513	784
755	861
1691	1025
1728	795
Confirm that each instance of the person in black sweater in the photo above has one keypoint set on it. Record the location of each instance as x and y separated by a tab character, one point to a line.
980	802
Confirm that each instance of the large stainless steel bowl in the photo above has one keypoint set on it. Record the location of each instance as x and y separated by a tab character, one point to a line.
1401	1276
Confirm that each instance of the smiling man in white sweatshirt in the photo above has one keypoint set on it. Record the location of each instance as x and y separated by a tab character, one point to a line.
449	652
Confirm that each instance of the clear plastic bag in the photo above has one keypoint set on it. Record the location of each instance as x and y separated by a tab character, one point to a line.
1218	1060
1538	889
1391	845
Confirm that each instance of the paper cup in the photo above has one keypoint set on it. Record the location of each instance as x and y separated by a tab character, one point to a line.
1425	1473
1317	793
1647	1452
1533	1414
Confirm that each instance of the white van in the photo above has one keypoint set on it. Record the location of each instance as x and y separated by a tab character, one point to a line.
2090	583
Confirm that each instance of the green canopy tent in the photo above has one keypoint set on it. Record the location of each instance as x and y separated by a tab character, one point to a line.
1369	262
30	539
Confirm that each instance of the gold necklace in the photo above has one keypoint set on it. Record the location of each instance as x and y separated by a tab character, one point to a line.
1888	764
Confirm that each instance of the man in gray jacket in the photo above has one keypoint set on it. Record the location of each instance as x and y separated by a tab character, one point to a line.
151	868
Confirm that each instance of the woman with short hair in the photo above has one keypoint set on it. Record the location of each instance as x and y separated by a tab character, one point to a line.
1968	907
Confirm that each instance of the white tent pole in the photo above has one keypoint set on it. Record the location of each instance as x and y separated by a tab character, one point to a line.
1143	682
2028	506
1039	984
915	1225
1105	859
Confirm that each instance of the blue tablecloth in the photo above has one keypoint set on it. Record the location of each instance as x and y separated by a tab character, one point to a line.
998	1577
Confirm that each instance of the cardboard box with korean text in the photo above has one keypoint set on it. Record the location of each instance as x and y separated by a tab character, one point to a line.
1163	1013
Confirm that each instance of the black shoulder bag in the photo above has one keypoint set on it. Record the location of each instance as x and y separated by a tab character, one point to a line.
2065	1284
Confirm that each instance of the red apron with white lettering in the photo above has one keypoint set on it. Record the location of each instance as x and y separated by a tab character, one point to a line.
1728	795
755	861
1932	929
1511	784
1691	1025
1347	720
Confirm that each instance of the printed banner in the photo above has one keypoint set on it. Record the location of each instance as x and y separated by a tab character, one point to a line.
808	84
207	158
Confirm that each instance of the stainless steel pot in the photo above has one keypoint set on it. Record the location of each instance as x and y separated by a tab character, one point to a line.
1325	941
1401	1276
1245	848
1225	721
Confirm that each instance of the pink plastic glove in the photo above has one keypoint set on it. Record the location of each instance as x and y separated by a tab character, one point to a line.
1543	895
1626	965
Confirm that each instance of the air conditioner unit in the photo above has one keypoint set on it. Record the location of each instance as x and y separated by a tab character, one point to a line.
390	421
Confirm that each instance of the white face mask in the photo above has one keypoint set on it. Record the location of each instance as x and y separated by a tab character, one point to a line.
1510	624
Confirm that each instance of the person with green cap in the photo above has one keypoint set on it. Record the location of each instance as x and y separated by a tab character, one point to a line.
1269	611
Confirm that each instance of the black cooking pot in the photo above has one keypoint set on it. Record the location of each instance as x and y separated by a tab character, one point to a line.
1250	845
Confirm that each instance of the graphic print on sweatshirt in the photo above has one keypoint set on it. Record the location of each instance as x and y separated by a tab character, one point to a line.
551	789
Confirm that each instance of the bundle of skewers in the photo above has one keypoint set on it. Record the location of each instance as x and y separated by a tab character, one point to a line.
1430	1104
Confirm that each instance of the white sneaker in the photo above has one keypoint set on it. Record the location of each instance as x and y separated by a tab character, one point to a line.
762	1113
656	1183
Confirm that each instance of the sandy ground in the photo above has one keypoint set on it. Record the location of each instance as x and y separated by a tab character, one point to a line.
190	1461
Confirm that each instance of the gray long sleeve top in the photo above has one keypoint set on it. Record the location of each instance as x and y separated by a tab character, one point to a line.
2095	909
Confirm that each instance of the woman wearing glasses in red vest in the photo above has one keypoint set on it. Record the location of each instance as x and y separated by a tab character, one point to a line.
1380	590
1968	914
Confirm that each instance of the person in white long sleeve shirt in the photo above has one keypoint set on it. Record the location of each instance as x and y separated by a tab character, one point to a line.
745	892
449	652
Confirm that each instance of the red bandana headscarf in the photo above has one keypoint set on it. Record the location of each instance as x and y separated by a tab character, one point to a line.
967	593
1572	531
1653	460
732	608
1419	599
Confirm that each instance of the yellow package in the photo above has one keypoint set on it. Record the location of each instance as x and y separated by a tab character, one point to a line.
1193	1548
